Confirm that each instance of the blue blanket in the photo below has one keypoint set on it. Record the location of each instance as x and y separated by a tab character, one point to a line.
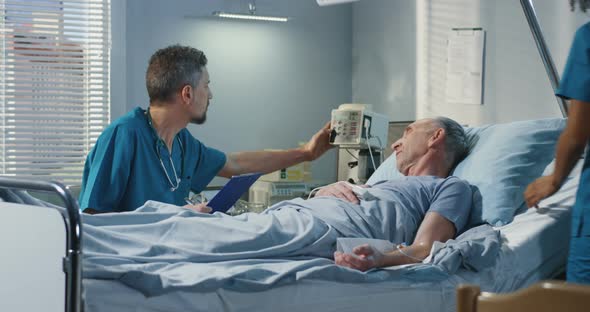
160	248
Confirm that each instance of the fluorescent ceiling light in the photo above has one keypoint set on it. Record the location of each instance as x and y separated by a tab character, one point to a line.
331	2
251	17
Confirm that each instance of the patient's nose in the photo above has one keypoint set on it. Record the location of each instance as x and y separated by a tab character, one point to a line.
396	145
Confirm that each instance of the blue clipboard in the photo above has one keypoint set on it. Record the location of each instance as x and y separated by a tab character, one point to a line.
232	191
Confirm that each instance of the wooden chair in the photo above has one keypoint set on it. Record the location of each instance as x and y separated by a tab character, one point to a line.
548	296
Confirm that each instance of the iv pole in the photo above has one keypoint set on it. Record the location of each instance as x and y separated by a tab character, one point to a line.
531	17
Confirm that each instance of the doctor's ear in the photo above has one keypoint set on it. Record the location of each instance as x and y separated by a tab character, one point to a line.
186	93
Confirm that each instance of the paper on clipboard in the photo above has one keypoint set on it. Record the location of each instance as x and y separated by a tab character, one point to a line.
232	191
465	57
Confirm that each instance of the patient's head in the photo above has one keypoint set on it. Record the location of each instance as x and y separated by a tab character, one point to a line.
430	146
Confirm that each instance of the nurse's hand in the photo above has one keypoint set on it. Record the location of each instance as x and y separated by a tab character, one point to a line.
341	189
202	207
364	258
541	188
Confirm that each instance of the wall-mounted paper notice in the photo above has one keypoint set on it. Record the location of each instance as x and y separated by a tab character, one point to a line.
465	57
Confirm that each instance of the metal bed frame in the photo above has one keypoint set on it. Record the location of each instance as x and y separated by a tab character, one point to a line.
72	261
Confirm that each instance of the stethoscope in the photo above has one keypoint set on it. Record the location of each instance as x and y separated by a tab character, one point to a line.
159	143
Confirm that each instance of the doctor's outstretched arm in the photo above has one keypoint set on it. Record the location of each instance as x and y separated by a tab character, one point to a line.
269	161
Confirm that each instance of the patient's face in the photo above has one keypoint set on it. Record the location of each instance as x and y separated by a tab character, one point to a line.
413	145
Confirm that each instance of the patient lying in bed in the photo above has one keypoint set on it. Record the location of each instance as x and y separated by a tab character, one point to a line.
424	207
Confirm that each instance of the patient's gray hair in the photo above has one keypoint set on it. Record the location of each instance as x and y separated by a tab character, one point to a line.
455	142
172	68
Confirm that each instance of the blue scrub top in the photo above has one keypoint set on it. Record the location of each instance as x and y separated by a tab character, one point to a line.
123	169
575	84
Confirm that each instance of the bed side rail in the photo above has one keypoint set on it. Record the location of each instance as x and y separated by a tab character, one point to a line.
73	259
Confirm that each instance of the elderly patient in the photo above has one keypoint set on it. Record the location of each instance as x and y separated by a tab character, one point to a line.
425	206
438	205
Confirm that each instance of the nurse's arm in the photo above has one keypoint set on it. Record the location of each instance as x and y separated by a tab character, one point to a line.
569	148
573	140
269	161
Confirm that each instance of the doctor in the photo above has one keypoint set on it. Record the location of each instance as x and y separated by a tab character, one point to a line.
575	86
148	154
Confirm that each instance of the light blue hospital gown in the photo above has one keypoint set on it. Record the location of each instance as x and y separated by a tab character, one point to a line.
575	84
123	170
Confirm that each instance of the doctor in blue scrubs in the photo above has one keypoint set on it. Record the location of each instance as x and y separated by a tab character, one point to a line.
149	154
575	86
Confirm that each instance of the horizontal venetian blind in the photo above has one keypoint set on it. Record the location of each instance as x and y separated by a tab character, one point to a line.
435	20
54	85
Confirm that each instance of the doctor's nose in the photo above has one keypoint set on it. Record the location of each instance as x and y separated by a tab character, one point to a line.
210	95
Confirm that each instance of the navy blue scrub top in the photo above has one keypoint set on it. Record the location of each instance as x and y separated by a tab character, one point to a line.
575	84
123	170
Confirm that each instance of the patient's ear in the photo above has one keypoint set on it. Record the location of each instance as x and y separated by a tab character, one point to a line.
437	137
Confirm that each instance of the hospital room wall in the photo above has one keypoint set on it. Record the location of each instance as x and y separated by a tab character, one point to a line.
516	85
273	84
384	57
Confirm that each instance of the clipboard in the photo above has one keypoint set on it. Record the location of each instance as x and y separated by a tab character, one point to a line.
232	191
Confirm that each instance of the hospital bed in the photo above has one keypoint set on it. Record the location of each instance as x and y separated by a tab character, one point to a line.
534	247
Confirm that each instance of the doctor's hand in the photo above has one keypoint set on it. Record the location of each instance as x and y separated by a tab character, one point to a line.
201	207
341	189
364	258
539	189
318	144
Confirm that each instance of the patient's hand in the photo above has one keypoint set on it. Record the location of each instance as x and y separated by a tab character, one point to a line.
541	188
341	190
365	258
201	207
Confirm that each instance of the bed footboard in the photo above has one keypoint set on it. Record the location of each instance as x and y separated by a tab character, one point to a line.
72	261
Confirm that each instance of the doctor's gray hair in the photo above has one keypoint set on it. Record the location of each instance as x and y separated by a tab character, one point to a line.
584	4
456	140
172	68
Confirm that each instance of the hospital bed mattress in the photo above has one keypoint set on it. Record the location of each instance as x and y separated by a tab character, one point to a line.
534	247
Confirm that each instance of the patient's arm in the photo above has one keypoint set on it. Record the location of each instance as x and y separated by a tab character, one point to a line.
434	227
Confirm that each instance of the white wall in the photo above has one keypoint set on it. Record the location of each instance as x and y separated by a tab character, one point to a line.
118	58
384	57
516	86
273	84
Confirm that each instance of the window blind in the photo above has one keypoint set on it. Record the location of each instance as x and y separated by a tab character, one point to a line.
54	85
435	19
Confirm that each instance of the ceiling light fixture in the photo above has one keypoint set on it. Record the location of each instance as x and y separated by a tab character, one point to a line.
251	16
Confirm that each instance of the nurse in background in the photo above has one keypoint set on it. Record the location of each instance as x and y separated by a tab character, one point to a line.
575	86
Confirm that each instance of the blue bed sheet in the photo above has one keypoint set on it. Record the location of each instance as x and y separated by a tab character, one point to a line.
161	248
